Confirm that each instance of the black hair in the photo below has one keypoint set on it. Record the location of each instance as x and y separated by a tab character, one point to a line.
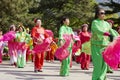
35	20
84	25
63	19
118	28
21	26
97	10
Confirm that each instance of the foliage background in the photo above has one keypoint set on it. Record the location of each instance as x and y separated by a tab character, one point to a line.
51	12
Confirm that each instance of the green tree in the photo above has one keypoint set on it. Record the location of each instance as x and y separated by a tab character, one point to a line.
50	11
79	12
113	8
14	12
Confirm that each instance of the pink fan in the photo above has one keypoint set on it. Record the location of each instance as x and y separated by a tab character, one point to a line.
8	36
49	32
62	52
75	47
42	47
111	54
75	37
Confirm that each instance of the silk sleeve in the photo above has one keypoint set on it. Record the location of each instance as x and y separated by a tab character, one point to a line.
96	28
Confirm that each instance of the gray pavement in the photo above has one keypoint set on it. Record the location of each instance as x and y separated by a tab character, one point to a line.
50	72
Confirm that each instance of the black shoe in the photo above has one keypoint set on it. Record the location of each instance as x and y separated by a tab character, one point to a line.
20	67
109	71
40	71
36	71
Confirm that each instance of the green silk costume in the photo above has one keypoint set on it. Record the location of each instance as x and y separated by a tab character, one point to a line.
65	66
22	37
98	44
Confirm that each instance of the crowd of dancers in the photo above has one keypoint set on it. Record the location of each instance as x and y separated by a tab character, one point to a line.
84	45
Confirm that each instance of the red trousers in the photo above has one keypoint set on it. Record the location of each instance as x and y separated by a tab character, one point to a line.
77	59
49	56
84	60
38	60
27	55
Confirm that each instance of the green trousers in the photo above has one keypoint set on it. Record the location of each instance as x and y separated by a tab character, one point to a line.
21	59
65	66
100	67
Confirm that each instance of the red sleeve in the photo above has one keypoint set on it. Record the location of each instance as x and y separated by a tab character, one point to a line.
34	33
46	35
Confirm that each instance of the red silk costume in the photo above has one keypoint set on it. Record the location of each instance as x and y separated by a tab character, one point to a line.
38	33
84	58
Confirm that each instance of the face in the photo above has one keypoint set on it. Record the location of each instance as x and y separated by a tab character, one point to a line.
85	28
12	28
101	14
20	29
27	31
38	23
0	32
66	22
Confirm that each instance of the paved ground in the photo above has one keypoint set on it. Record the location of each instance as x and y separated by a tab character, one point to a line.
51	72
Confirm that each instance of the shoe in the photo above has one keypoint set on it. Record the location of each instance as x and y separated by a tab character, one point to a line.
109	71
64	75
78	62
15	64
86	68
36	71
20	67
52	61
40	71
12	64
47	60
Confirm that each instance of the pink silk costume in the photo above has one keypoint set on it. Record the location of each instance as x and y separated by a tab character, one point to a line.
10	36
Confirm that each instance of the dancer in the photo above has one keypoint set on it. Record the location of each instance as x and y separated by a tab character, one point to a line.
86	48
52	48
29	41
64	29
12	48
38	35
22	39
50	53
101	37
